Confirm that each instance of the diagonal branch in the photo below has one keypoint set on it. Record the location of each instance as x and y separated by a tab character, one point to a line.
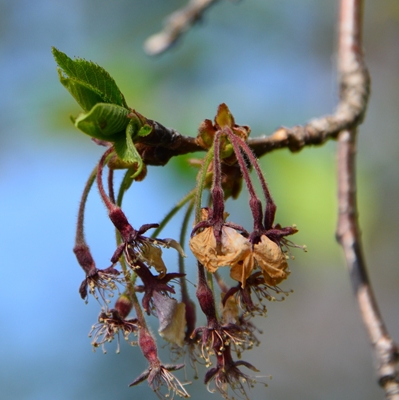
350	111
354	94
348	231
176	25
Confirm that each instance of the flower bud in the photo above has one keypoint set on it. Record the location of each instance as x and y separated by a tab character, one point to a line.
123	305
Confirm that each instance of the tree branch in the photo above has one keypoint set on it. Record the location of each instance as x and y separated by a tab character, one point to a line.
350	60
354	93
177	24
163	143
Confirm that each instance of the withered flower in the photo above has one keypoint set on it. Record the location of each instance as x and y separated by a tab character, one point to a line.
152	255
215	340
149	251
159	376
271	260
208	129
139	248
109	325
230	310
242	296
153	284
226	375
233	320
101	281
234	252
98	281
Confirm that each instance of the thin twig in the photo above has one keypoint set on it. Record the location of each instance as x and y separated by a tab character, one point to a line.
162	143
176	25
350	110
350	59
355	88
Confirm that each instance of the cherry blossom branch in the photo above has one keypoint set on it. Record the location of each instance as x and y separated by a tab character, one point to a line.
354	93
176	25
351	68
162	143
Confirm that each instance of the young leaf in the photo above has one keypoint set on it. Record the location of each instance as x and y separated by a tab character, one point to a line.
138	125
85	78
85	95
126	150
103	121
145	130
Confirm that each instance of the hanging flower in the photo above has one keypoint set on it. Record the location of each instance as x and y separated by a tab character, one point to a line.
138	247
271	260
227	376
101	282
234	252
159	377
110	324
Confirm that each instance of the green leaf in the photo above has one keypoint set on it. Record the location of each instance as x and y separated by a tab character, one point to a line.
138	126
126	150
144	130
85	95
87	81
104	121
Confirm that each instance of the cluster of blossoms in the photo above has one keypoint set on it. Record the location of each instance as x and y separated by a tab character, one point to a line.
256	260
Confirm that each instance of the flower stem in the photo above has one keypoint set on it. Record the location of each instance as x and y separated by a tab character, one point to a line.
217	191
81	249
182	240
125	185
201	183
254	202
270	211
80	237
173	211
111	185
185	298
103	161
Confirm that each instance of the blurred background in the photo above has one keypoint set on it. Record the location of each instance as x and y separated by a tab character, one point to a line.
273	63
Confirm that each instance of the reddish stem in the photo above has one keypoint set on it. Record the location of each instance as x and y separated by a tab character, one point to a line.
254	203
108	203
271	207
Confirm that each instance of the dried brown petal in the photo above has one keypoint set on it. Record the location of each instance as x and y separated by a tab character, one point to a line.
271	261
174	245
152	255
172	318
206	134
234	252
230	312
203	246
242	269
235	247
